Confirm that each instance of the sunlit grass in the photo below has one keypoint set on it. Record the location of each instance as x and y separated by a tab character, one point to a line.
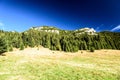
64	67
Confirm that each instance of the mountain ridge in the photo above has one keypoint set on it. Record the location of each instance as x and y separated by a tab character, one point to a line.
90	31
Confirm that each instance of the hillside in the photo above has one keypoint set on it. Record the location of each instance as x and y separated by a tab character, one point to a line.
61	40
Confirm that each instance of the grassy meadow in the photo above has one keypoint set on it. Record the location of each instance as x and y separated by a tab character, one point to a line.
100	65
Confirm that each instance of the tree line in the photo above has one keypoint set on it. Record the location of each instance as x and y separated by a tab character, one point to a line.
65	41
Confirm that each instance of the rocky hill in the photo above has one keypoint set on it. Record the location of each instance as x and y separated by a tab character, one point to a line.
86	30
89	31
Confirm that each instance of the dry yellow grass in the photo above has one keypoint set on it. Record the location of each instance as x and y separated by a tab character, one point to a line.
105	63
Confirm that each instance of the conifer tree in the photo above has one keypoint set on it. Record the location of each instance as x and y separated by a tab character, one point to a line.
10	48
3	46
21	46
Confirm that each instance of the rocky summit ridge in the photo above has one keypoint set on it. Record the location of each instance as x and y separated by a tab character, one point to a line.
86	30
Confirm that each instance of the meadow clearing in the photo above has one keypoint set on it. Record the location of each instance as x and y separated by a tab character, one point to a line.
44	64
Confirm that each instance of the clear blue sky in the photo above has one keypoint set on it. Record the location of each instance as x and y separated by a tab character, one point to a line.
20	15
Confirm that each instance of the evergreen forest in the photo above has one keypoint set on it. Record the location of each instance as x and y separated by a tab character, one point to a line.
66	41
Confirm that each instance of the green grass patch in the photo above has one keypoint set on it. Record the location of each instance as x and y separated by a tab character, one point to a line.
45	68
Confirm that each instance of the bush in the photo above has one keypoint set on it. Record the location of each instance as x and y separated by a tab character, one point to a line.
92	49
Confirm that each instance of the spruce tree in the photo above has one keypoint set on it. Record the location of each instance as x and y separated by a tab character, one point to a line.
21	46
11	48
3	46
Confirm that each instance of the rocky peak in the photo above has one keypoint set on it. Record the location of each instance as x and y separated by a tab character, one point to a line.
89	31
46	29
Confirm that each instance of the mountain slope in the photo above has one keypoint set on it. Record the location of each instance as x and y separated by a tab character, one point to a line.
62	40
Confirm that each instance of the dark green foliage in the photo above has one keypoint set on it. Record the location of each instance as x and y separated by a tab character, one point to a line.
55	43
83	46
10	48
92	49
21	46
3	46
66	40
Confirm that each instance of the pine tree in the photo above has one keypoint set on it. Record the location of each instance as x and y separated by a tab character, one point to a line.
11	48
84	45
21	46
32	44
3	46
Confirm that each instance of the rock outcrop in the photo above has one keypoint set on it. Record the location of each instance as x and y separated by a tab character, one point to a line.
89	31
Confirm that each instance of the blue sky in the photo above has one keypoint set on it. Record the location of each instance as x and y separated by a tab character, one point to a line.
20	15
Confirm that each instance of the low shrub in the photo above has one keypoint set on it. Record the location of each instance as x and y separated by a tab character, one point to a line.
92	49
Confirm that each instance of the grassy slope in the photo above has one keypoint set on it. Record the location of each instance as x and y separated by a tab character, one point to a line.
101	65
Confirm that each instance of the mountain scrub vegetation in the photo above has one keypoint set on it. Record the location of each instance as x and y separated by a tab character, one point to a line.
56	39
